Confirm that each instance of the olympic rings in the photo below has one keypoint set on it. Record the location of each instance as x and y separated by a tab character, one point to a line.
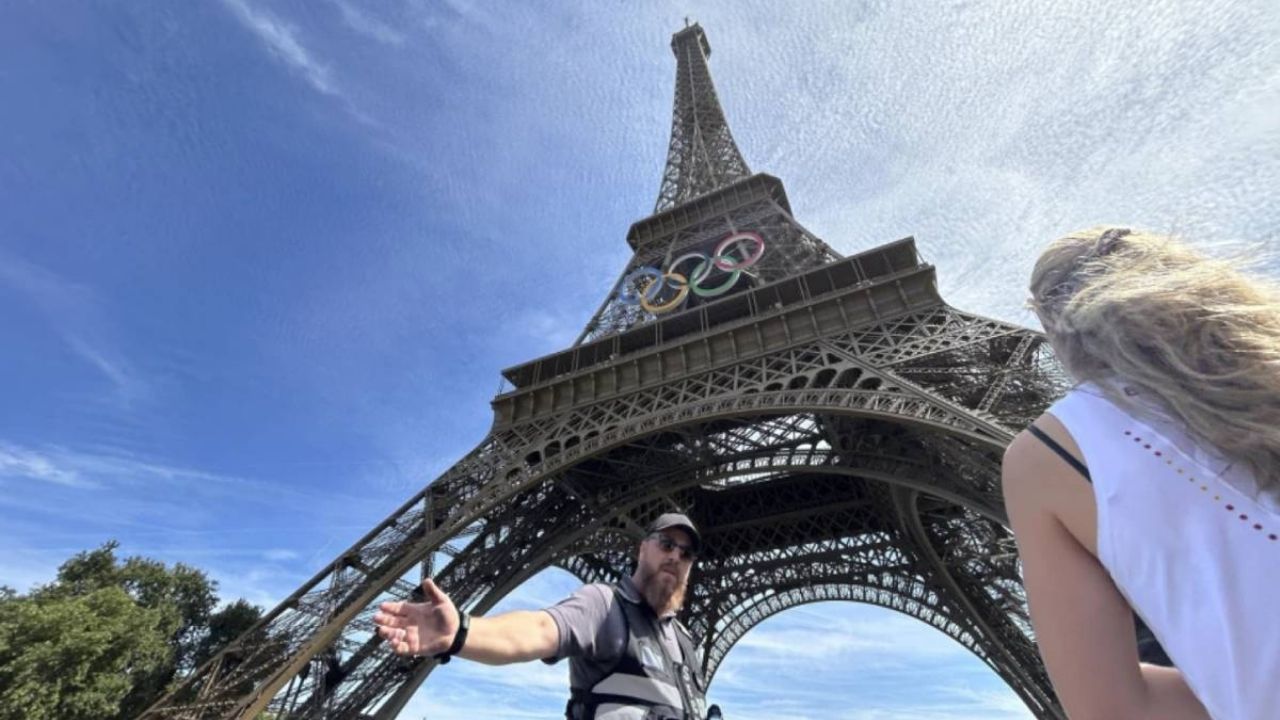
649	287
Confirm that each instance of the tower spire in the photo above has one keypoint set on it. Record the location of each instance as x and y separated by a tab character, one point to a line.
702	156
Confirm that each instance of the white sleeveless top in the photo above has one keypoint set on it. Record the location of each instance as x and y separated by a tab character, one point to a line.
1192	547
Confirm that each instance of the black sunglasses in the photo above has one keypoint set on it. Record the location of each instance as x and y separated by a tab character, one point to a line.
687	552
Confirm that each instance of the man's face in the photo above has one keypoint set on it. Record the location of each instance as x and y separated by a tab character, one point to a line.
663	568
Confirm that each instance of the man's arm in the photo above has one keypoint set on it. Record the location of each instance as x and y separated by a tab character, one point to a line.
1084	626
518	636
430	627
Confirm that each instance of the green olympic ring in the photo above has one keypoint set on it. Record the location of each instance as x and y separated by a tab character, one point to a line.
644	286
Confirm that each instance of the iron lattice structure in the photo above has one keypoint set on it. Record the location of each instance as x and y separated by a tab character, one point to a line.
832	424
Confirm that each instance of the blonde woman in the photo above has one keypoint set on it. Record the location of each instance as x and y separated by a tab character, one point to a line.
1152	486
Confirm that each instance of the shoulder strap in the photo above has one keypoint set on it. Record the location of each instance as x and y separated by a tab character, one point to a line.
620	602
689	651
1061	451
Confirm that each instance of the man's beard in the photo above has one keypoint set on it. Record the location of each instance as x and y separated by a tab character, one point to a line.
662	596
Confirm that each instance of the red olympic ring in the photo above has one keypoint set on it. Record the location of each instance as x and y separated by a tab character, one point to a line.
645	286
746	262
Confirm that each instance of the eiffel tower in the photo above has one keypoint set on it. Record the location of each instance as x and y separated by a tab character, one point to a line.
830	423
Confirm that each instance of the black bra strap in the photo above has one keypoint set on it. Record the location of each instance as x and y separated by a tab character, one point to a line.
1062	452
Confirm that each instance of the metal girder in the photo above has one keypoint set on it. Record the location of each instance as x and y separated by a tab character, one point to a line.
723	414
1012	652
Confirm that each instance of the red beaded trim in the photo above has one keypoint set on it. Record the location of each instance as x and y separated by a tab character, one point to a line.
1204	487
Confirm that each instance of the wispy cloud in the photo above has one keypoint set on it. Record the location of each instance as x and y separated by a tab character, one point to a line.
238	573
74	313
367	25
537	331
804	639
74	468
120	471
282	40
263	584
17	462
56	501
882	657
114	367
279	554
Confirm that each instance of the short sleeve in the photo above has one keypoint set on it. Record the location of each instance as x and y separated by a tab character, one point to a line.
587	624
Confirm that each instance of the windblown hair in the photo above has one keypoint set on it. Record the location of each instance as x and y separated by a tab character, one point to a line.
1196	335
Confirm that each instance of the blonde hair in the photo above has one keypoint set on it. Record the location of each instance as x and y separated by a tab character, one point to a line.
1194	334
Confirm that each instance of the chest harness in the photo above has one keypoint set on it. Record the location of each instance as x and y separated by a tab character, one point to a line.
646	683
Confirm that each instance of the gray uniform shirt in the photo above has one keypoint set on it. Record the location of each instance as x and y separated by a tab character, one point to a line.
593	631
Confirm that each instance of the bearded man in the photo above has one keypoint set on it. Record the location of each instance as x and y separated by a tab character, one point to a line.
629	658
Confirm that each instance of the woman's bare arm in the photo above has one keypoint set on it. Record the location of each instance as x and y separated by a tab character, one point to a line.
1083	625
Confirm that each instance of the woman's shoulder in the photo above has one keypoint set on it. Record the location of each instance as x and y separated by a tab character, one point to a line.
1034	447
1032	464
1039	481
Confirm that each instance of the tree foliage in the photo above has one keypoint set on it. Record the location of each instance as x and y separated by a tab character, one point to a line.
106	638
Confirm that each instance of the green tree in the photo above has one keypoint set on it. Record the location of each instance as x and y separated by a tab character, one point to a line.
183	588
106	638
77	657
224	626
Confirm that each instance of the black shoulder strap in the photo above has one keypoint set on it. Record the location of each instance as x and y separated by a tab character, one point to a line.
689	651
620	602
1061	451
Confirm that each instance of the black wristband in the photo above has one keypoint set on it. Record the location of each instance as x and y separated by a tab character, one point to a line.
459	638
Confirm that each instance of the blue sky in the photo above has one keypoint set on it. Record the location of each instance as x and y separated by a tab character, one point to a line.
262	262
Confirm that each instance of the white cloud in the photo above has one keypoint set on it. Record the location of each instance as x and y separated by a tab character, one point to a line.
264	585
472	690
121	470
803	635
58	501
23	569
279	554
74	313
539	331
282	40
115	369
22	463
367	25
86	469
857	661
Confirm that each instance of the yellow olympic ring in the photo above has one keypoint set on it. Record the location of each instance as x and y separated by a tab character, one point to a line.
672	278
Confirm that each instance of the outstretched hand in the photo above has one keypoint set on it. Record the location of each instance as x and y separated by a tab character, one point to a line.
425	628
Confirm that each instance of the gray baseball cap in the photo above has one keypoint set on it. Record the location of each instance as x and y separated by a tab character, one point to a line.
676	520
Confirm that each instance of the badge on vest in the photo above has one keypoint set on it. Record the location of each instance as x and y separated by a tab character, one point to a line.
651	658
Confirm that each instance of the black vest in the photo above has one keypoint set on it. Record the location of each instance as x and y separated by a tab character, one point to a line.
646	683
